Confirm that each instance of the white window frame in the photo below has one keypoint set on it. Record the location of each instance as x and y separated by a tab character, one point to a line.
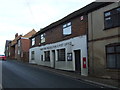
67	29
42	37
33	41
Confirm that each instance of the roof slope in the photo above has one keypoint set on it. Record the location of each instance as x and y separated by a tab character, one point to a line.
29	34
83	11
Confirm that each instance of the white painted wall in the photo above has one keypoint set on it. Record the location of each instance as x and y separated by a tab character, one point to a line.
72	44
37	55
81	43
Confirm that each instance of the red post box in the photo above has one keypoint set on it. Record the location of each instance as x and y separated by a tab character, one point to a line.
84	62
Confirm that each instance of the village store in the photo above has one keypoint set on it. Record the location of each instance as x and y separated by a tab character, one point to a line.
69	55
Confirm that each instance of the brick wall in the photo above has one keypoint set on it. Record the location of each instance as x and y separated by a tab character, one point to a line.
24	49
25	45
79	28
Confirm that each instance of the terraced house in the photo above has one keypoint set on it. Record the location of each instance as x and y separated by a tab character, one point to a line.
62	45
18	49
12	47
81	42
7	48
104	41
23	45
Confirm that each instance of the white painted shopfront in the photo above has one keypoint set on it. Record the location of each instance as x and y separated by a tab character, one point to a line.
66	55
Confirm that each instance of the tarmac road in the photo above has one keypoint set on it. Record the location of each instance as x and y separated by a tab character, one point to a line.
21	75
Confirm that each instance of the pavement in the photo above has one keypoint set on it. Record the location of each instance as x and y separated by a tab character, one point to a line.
0	86
110	83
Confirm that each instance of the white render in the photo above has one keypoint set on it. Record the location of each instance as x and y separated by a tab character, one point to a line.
76	43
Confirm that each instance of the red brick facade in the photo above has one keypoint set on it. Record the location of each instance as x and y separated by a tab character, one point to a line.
55	34
24	48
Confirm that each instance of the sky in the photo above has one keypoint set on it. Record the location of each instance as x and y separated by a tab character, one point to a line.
21	16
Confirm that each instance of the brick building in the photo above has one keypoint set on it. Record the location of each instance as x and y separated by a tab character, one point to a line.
69	43
13	47
63	44
18	48
23	45
7	48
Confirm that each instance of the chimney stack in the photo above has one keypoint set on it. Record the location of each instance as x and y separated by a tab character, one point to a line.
16	35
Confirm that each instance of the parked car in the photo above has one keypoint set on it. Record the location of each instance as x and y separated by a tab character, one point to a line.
2	57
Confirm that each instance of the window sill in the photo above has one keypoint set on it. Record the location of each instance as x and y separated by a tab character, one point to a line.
111	27
46	61
113	69
60	61
66	35
69	60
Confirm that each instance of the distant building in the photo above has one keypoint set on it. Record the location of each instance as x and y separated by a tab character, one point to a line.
23	45
7	48
18	48
13	47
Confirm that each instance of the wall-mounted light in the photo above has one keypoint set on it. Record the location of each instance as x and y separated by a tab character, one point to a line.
81	18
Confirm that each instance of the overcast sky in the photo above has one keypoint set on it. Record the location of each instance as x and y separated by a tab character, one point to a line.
21	16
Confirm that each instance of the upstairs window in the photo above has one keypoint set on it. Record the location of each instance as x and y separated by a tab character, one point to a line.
33	41
42	38
67	30
112	18
113	56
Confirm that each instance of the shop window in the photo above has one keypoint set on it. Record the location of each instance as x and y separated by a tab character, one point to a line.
47	55
42	38
67	29
61	55
69	56
113	56
33	41
33	55
112	18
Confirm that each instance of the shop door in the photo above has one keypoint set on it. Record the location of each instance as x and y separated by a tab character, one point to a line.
77	60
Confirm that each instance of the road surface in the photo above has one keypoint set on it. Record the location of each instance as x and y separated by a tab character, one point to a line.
21	75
